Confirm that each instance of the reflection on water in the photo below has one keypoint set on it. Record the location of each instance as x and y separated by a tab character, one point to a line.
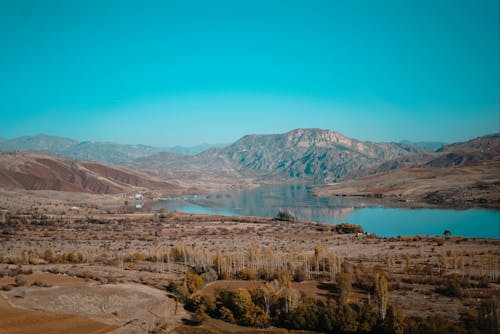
265	201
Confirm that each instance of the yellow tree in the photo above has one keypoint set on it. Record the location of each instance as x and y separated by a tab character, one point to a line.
381	294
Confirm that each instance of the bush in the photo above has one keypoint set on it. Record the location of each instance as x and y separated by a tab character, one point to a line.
246	275
349	228
299	274
284	215
21	280
179	290
452	288
194	282
440	241
210	275
42	284
434	324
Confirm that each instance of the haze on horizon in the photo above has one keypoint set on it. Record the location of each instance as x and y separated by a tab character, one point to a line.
183	73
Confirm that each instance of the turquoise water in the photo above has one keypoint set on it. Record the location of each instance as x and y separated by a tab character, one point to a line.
265	201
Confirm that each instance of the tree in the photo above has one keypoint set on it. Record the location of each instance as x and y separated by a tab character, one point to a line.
488	318
394	323
447	233
344	282
381	294
239	302
194	282
285	215
348	322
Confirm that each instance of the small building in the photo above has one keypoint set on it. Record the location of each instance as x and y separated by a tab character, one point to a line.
138	196
139	205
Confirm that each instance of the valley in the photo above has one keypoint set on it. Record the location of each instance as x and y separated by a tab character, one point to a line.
95	245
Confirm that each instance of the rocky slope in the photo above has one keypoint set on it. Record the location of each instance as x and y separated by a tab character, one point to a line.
465	173
485	148
40	172
311	154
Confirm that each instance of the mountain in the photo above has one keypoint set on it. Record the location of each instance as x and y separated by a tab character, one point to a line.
38	143
312	154
108	152
192	150
489	143
32	171
429	146
485	148
88	150
464	173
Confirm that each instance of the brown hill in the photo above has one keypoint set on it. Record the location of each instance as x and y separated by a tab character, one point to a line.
39	172
459	174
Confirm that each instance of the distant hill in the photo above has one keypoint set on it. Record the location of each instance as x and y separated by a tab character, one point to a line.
108	152
488	143
430	146
38	143
464	173
483	148
192	150
32	171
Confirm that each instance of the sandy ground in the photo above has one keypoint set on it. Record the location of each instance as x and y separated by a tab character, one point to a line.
21	321
89	307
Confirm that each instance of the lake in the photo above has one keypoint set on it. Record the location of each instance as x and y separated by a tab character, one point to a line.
265	201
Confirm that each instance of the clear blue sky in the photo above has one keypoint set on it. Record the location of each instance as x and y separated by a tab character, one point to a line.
185	72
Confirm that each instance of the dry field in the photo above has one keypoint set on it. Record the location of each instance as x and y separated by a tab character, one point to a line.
104	272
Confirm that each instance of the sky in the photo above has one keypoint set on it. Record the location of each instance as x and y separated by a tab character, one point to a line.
168	73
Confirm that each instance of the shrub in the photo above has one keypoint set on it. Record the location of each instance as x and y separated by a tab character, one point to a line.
284	215
48	255
452	288
194	282
349	228
42	284
226	315
299	274
440	241
21	280
246	274
209	276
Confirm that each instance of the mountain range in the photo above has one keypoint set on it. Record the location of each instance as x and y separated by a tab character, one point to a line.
312	155
108	152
